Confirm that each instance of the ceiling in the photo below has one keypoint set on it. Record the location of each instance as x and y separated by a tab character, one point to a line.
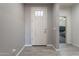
65	5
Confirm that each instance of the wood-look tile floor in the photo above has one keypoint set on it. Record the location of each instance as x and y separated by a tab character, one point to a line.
65	50
38	51
69	50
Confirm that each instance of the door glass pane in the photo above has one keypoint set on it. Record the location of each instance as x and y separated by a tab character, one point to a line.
41	13
38	13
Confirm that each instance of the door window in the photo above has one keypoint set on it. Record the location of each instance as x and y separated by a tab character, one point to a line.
38	13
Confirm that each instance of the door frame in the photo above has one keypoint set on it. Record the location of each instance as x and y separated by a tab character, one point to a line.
66	29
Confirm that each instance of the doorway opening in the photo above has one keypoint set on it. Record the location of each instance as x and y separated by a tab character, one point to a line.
62	29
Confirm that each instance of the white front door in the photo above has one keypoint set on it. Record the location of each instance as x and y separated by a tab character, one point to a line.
39	25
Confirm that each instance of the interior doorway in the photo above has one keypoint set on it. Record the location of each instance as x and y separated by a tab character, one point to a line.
39	25
62	29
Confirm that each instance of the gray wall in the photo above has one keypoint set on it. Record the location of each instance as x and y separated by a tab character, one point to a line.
75	24
11	27
52	23
28	21
55	25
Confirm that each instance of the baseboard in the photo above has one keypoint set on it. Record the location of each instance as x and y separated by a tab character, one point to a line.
49	45
55	48
28	45
20	51
75	45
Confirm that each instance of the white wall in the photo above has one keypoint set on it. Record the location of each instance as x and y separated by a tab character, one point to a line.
75	24
66	11
11	27
28	21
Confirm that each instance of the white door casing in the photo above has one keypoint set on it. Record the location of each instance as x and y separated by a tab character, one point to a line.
39	25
